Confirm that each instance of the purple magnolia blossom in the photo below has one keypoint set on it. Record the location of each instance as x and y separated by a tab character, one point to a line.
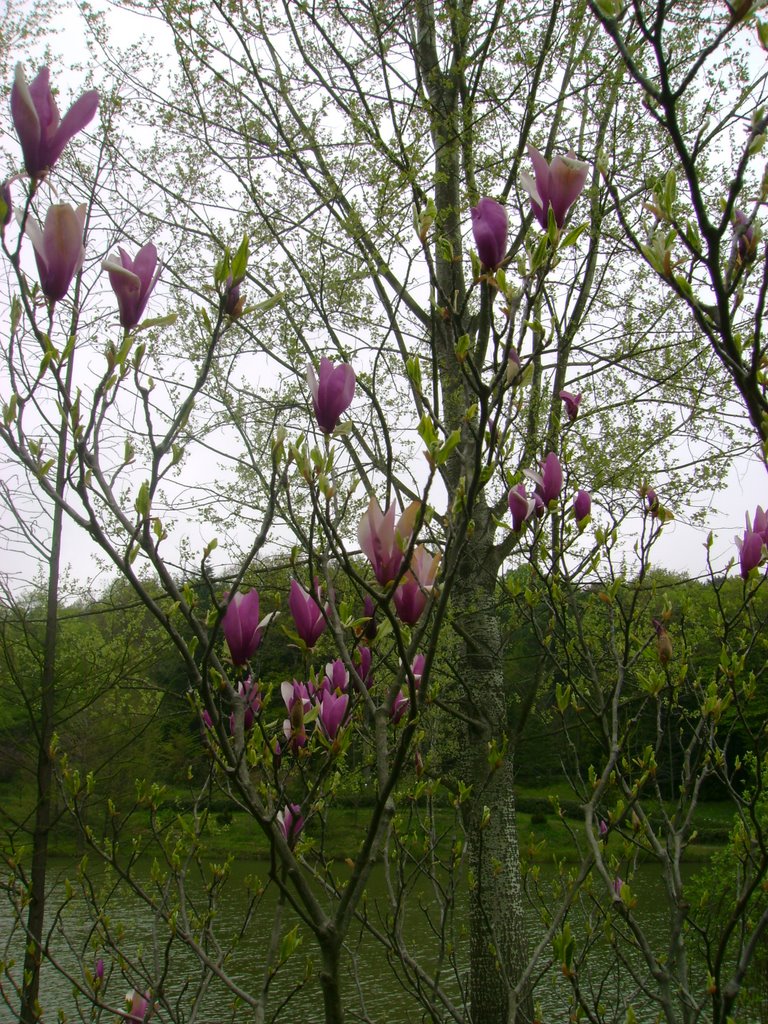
751	546
558	185
294	692
417	668
332	391
414	590
489	226
364	665
582	506
514	366
291	823
572	403
549	482
42	132
382	542
140	1008
399	707
760	523
98	972
369	612
520	506
307	612
234	302
250	694
618	885
746	237
293	727
602	827
331	712
59	249
207	720
132	282
337	675
750	550
242	629
5	194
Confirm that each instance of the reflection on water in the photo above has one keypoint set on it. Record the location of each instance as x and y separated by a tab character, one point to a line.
242	923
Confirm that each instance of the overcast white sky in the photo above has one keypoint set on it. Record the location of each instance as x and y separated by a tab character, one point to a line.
681	547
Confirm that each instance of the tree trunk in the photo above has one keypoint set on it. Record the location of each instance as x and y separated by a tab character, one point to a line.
329	979
30	1011
498	944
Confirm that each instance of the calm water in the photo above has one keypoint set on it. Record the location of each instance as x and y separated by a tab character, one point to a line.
368	977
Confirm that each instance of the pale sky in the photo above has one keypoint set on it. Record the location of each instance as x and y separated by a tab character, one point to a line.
680	549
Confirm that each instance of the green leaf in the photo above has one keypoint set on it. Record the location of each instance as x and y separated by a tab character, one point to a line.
266	304
413	369
562	696
240	261
670	191
572	235
427	432
158	321
684	285
447	447
553	231
10	410
142	501
462	347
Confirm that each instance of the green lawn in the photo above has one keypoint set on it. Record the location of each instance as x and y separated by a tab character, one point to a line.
543	833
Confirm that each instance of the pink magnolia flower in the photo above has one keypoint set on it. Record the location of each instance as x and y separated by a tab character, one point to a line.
332	391
602	827
293	692
760	523
582	506
132	282
7	198
520	506
337	675
414	590
399	707
369	612
383	543
241	626
59	249
140	1008
42	132
331	712
618	885
558	185
489	226
98	973
294	728
233	301
514	366
750	550
745	235
363	663
549	482
572	403
307	611
417	668
250	694
291	823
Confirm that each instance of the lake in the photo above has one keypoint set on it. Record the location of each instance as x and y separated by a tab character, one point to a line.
369	979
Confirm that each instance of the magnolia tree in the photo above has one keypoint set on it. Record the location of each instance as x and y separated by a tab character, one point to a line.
372	291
